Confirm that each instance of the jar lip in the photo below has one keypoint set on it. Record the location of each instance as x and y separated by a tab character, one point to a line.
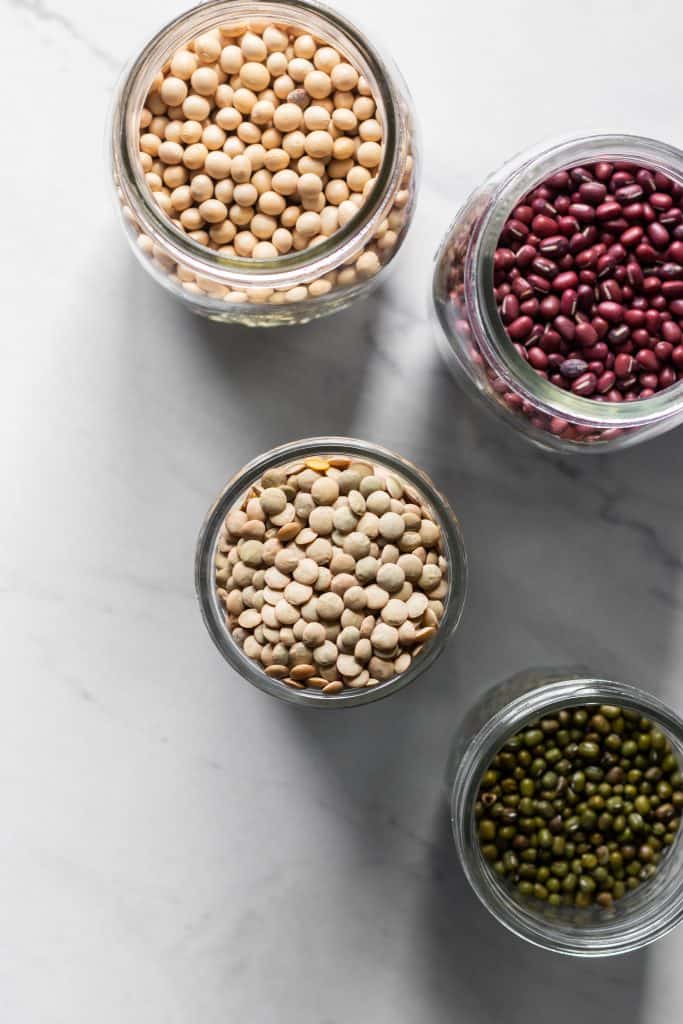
233	491
606	940
292	268
525	172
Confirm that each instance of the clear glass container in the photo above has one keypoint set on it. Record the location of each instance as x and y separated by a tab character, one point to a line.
471	333
641	916
234	492
299	286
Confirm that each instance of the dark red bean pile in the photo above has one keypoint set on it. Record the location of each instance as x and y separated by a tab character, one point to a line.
588	278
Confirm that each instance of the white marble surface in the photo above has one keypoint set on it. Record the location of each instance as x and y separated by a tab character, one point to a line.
175	847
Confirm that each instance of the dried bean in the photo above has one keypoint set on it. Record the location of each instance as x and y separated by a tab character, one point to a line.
604	270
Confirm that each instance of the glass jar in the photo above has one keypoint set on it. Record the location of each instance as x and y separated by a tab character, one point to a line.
473	338
641	916
327	447
299	286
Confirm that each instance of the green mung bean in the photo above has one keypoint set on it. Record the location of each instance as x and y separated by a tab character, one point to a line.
580	807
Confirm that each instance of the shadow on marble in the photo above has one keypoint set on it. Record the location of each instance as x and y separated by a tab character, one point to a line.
469	962
381	771
568	558
574	559
571	560
302	380
198	400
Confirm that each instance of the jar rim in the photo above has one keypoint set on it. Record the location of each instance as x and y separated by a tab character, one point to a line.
292	268
536	164
607	940
214	618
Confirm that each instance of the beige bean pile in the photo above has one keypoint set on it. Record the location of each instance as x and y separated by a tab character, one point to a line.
261	142
332	574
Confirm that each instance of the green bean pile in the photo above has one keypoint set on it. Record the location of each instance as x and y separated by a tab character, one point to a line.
580	807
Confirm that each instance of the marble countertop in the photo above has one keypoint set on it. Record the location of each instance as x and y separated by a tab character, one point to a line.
177	848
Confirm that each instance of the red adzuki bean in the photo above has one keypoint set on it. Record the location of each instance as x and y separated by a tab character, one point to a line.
589	282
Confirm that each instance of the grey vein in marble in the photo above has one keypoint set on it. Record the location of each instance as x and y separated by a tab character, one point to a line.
51	15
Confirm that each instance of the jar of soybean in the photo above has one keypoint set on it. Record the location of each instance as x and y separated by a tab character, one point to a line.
264	160
565	794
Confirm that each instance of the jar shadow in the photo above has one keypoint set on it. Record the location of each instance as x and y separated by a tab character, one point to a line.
247	389
467	960
572	560
301	380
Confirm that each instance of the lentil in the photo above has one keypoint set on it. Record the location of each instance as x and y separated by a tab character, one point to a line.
296	589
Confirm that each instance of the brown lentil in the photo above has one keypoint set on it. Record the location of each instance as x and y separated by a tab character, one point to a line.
318	607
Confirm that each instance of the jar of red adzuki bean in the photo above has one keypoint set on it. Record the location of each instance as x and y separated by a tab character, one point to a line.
559	291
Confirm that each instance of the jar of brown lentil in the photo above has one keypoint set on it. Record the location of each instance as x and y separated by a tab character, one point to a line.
565	794
559	292
402	576
264	157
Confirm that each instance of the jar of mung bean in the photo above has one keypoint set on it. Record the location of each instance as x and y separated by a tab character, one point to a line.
565	794
264	157
559	292
330	572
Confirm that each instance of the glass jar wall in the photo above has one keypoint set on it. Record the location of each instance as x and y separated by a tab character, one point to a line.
300	285
474	340
640	916
294	457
